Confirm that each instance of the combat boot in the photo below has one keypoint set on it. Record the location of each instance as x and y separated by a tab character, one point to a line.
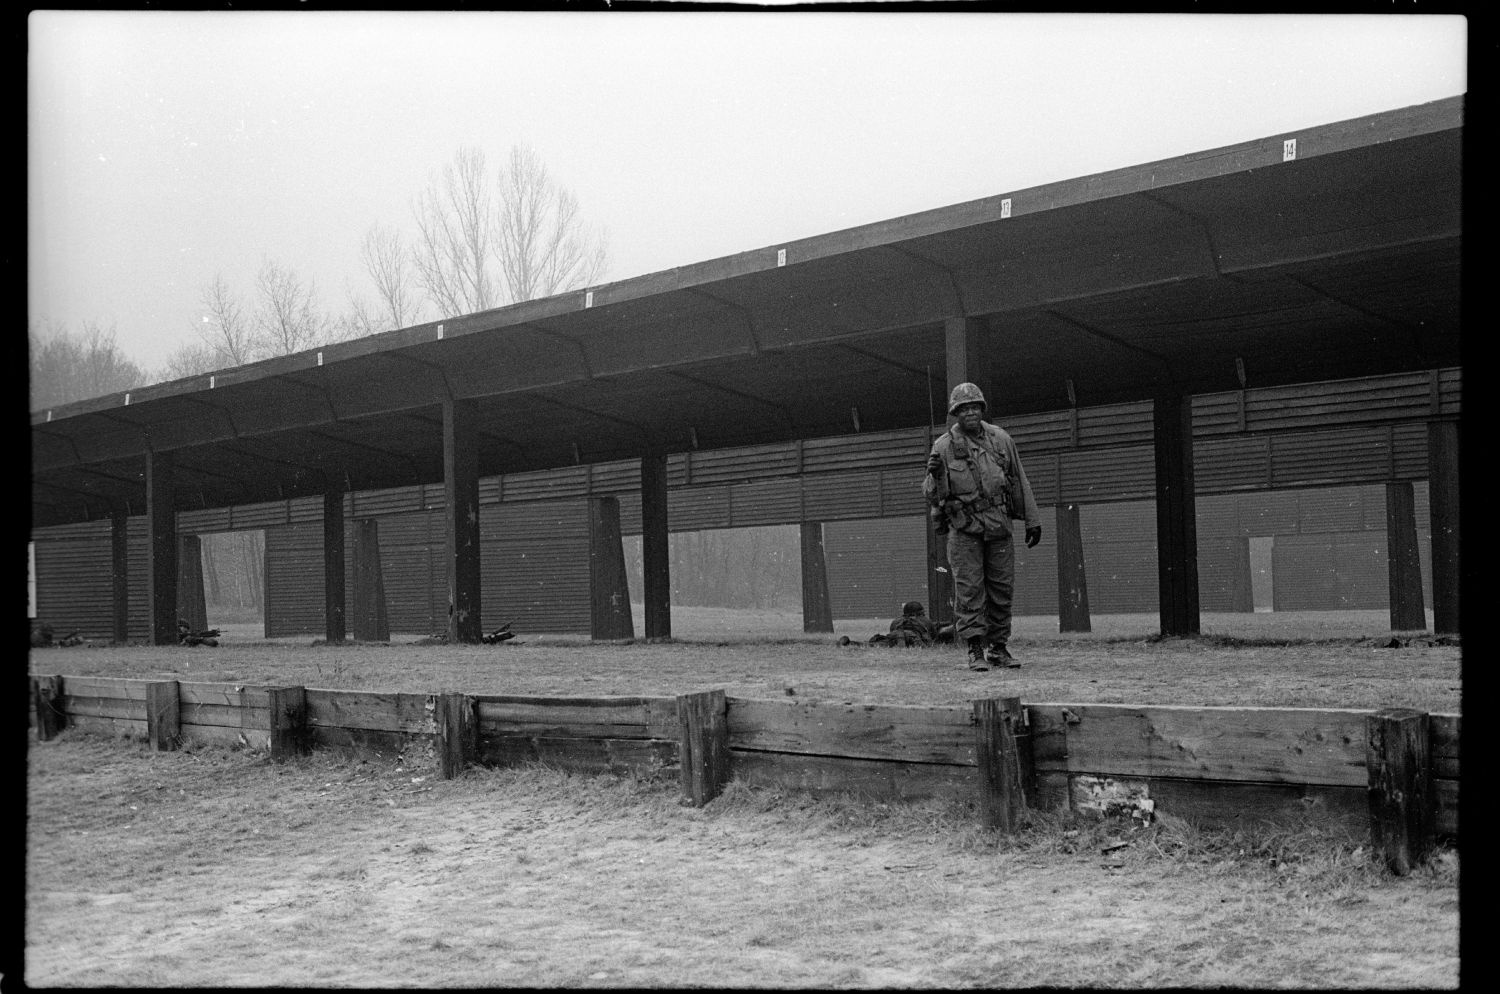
976	655
998	656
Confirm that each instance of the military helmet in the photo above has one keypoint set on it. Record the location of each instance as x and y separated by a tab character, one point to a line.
965	393
912	607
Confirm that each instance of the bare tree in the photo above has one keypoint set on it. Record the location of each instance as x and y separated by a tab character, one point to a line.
64	367
385	258
455	218
225	328
479	246
287	318
191	359
541	241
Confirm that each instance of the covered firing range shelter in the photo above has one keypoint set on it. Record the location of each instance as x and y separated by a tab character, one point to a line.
1266	276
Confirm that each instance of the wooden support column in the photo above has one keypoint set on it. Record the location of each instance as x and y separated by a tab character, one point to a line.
161	539
370	624
47	698
1403	561
609	591
961	346
461	518
1402	805
656	566
192	606
817	608
163	715
290	735
457	733
939	577
1176	515
1442	499
1241	582
1002	799
334	591
703	745
1072	583
119	571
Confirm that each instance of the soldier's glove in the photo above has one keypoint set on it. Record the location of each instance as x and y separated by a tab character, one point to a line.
934	465
1033	536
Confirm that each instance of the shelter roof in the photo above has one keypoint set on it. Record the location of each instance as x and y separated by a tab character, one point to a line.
1327	253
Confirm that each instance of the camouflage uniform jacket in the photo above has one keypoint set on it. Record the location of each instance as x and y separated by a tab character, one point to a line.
973	467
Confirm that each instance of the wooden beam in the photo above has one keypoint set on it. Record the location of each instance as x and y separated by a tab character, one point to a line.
609	592
370	624
1176	518
289	728
461	521
655	556
163	716
192	606
1401	798
1002	798
817	608
961	346
1072	582
939	575
1442	499
1403	561
334	628
161	531
47	698
119	571
457	733
703	746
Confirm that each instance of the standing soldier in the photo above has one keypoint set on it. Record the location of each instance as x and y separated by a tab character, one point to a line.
976	486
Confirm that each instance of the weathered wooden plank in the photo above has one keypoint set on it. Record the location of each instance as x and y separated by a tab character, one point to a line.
1270	745
98	686
656	715
258	739
363	741
1400	787
376	711
163	728
1445	797
570	730
455	733
104	723
587	755
227	694
1001	797
866	731
876	779
288	732
48	705
103	707
1226	804
225	716
703	741
1442	746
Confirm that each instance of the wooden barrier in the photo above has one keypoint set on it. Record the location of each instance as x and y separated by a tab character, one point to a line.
1393	773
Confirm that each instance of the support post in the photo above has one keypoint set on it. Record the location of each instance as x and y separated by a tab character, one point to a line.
1176	512
1442	499
47	696
609	589
1241	582
457	733
370	623
703	746
939	577
656	567
461	517
1404	562
192	606
161	523
334	627
817	608
163	715
119	571
1002	798
961	347
289	730
1072	583
1401	799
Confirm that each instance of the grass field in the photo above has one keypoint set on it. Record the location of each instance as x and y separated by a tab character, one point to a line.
212	867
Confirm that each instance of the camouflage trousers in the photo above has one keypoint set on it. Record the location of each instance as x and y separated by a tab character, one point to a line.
984	577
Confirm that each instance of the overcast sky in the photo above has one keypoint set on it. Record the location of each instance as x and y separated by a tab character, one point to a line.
167	148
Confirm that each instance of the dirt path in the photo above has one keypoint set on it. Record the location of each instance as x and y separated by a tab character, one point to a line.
217	869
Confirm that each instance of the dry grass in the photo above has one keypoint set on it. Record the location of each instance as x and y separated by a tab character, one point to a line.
1311	659
217	868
